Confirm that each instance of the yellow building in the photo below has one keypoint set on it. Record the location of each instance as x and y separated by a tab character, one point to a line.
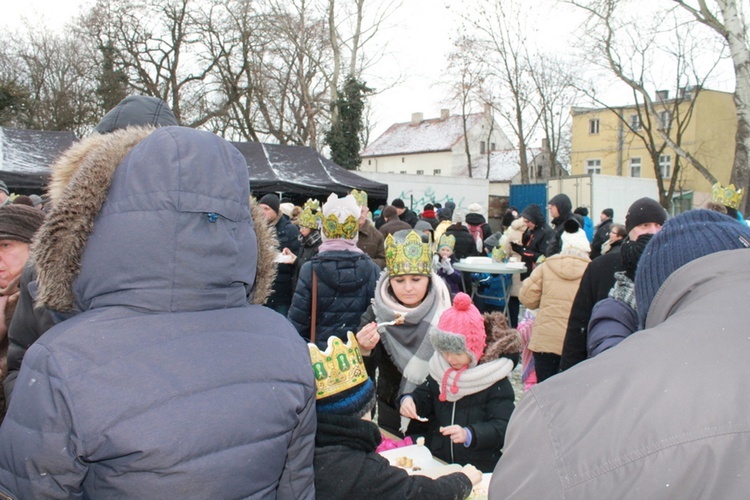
601	143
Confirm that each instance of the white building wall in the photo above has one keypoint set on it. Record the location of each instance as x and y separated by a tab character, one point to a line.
409	163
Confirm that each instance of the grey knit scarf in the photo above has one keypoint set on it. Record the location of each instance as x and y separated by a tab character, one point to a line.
408	345
624	289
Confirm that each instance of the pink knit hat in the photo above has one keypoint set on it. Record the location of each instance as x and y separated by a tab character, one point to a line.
461	329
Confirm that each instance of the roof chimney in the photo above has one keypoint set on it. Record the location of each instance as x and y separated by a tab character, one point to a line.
488	108
416	118
444	114
662	95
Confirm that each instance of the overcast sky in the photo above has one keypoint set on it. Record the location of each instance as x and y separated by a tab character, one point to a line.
419	38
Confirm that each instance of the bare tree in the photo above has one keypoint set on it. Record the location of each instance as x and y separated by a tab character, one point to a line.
52	77
630	58
726	18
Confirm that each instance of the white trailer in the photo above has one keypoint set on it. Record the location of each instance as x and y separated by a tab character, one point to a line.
597	192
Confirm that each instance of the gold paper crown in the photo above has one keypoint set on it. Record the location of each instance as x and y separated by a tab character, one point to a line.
498	254
360	196
447	240
409	256
338	368
347	230
726	195
310	217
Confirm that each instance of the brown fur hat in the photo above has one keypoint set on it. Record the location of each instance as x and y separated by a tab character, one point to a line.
502	341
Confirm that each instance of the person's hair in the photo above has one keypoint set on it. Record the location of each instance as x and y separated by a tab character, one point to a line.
716	207
393	294
619	230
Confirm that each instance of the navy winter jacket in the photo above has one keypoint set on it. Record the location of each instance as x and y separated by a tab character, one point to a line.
346	285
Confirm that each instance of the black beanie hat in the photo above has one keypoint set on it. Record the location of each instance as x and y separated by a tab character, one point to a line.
272	201
445	214
687	237
398	203
533	213
608	212
19	222
581	211
644	211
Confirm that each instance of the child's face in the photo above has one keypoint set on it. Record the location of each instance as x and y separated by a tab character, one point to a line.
456	360
445	252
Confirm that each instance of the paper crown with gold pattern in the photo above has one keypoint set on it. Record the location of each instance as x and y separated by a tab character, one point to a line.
360	196
341	381
406	254
726	195
341	218
310	215
447	240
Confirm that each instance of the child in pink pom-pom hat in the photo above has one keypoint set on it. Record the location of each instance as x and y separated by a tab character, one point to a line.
467	396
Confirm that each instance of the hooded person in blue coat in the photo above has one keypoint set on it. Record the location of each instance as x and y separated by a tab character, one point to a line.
345	275
157	383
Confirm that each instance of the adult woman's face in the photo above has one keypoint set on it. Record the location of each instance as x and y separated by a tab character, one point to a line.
13	257
411	289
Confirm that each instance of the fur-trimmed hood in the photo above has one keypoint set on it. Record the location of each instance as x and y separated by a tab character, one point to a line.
135	223
502	340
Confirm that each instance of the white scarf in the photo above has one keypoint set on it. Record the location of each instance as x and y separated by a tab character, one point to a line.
469	381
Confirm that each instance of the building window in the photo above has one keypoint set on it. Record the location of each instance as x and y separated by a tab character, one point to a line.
403	160
493	146
369	162
482	147
436	171
635	122
665	166
635	167
420	172
593	166
666	119
402	172
594	126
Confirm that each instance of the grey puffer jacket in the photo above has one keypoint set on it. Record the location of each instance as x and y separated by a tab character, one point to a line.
346	286
157	386
652	418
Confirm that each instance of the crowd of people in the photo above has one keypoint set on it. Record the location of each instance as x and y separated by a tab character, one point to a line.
166	334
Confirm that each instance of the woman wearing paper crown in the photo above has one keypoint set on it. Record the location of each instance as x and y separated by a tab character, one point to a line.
409	299
467	396
309	237
346	463
345	276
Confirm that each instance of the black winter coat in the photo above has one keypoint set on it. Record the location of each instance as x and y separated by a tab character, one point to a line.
596	282
308	249
346	286
28	324
600	237
534	244
485	413
465	244
347	467
287	234
409	217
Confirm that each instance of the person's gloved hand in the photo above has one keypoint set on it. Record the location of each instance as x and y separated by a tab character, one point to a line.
517	248
445	265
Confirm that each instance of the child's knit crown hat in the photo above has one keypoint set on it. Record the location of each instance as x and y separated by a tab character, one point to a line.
461	329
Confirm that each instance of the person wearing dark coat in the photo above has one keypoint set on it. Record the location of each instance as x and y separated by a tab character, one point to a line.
478	226
429	215
287	235
345	275
601	234
405	214
310	240
535	238
465	245
560	209
467	397
392	223
645	216
148	388
347	465
31	321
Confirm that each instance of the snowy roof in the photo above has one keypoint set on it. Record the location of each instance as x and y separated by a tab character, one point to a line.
300	170
26	155
435	134
504	165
